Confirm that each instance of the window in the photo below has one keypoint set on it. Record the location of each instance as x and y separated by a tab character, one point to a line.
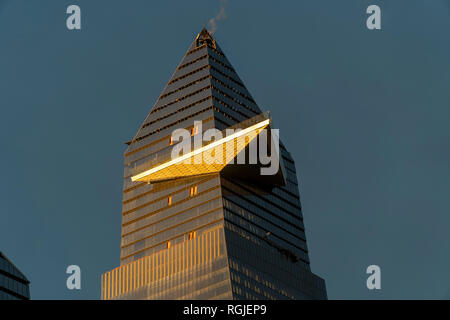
168	244
192	235
194	130
193	191
171	141
169	200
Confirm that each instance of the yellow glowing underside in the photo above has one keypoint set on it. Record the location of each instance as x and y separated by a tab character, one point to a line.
198	162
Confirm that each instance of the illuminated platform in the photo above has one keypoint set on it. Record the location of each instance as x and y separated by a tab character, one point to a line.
207	159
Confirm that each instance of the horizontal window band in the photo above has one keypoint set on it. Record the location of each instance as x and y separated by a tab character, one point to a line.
134	187
190	116
165	197
146	146
188	74
228	77
269	212
13	277
162	209
159	140
253	225
158	244
172	124
220	111
151	191
290	194
173	215
177	111
271	202
196	49
198	91
192	62
261	207
203	78
264	219
229	68
233	108
233	89
13	293
262	239
216	51
167	229
180	99
184	87
208	66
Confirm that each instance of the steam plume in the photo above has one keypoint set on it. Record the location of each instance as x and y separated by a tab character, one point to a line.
221	15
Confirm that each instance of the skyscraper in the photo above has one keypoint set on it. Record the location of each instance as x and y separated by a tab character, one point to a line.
13	283
205	230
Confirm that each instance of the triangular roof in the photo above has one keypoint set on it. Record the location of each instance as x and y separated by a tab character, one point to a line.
203	78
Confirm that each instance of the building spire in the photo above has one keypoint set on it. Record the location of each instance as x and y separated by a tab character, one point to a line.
205	37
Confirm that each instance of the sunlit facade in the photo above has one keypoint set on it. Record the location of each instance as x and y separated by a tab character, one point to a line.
209	230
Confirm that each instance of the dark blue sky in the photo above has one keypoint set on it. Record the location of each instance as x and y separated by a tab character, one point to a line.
365	114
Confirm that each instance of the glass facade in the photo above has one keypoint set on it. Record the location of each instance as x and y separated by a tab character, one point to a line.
13	283
208	231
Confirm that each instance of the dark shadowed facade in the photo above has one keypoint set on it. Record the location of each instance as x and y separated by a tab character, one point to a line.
195	231
13	283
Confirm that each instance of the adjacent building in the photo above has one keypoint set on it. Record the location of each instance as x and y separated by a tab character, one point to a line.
13	283
202	230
